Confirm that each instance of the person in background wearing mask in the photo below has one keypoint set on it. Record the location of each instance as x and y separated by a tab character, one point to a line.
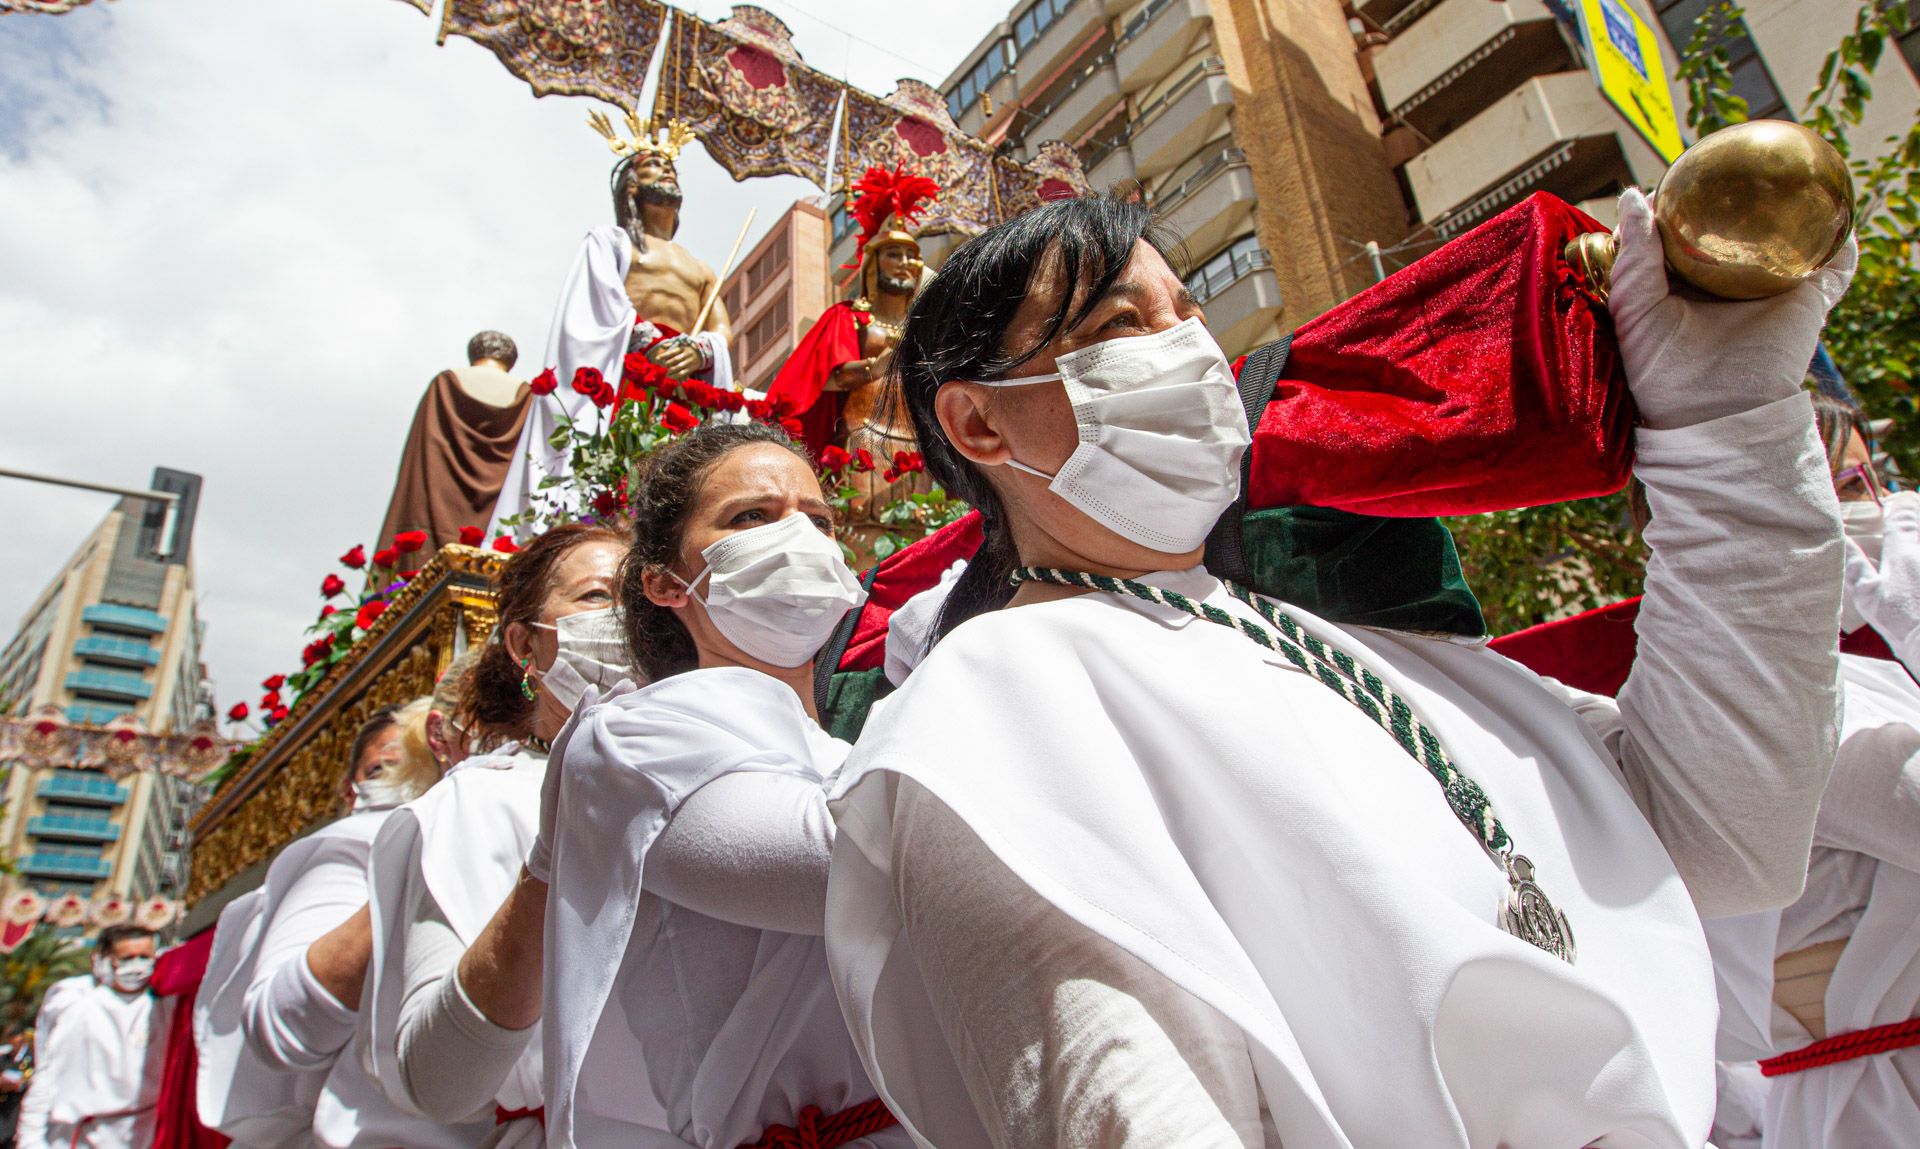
432	740
1825	993
445	928
686	836
283	986
1136	857
97	1076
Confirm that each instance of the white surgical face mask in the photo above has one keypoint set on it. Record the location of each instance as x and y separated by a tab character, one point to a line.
380	794
592	652
777	591
1161	435
131	974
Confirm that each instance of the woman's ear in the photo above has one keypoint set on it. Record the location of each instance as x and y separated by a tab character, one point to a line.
964	411
662	588
519	642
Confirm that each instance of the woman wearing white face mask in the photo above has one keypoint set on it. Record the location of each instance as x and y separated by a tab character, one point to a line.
282	993
1147	860
687	835
451	1025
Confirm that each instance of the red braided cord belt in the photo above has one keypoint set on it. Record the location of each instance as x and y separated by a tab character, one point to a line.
502	1115
812	1131
1845	1047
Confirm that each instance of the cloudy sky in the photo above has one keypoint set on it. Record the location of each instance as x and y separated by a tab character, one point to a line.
239	237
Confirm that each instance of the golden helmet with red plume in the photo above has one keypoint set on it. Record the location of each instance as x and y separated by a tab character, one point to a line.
885	205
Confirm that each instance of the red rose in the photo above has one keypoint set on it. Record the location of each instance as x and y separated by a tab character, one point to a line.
269	700
274	683
316	650
833	458
505	545
863	460
891	475
385	558
730	400
407	542
759	409
278	714
543	383
331	585
407	576
606	503
589	382
793	427
472	536
238	713
700	394
908	462
355	558
678	419
368	612
329	609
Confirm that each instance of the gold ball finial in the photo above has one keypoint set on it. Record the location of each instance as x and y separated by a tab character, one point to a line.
1749	211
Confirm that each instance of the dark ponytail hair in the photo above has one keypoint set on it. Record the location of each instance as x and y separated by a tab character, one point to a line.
495	707
957	329
657	640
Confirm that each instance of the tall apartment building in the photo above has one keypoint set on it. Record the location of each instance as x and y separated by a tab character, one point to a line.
776	292
1247	124
1487	102
114	635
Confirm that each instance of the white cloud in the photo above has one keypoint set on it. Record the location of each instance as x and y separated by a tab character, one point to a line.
239	236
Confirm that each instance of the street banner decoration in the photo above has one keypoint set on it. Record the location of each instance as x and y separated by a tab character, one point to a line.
110	911
598	48
44	738
1627	66
40	7
911	130
741	85
21	913
156	913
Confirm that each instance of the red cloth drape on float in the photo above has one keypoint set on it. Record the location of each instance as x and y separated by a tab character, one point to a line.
177	975
833	339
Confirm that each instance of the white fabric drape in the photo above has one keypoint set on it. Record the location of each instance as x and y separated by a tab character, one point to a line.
1261	844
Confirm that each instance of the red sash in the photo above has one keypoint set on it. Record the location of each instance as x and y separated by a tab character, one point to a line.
1845	1047
813	1131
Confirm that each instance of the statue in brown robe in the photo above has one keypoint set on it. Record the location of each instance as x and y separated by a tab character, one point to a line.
464	435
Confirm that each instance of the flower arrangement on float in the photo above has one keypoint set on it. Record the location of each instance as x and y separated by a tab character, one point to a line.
606	454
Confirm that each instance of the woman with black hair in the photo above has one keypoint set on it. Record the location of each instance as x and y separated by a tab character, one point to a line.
1147	859
685	830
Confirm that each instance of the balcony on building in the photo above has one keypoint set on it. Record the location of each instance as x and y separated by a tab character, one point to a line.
127	619
1554	133
1211	202
1047	33
73	828
1167	129
116	651
96	713
1462	56
1392	16
47	865
82	786
109	684
1111	163
1154	42
1072	107
1241	295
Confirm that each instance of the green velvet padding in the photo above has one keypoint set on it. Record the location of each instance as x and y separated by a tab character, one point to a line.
1401	574
850	695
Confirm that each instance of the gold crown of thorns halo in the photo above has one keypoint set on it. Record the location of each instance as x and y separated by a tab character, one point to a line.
646	140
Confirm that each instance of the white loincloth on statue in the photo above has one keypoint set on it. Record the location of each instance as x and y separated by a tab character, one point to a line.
712	1028
1224	818
592	322
1863	884
465	841
98	1082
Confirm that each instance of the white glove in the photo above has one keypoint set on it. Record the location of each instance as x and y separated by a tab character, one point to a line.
1692	360
1888	596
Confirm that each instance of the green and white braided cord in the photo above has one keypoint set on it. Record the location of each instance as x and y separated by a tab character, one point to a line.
1335	669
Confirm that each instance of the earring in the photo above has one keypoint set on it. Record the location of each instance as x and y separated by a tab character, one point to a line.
527	688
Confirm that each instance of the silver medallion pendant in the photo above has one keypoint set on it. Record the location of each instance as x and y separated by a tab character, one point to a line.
1528	914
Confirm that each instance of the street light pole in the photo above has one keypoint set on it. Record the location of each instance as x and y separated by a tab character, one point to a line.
170	499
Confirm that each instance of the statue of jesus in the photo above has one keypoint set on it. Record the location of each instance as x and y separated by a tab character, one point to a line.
632	288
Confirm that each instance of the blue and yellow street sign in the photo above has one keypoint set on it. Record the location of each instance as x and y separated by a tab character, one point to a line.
1631	74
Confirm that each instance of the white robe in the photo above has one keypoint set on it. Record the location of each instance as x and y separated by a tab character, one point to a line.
592	322
658	1015
465	841
242	1090
1863	884
98	1078
1189	797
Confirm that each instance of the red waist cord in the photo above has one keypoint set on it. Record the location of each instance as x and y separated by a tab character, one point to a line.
1845	1047
502	1115
812	1131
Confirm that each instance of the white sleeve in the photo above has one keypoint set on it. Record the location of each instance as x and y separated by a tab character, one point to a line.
1726	728
288	1019
452	1059
752	848
31	1132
